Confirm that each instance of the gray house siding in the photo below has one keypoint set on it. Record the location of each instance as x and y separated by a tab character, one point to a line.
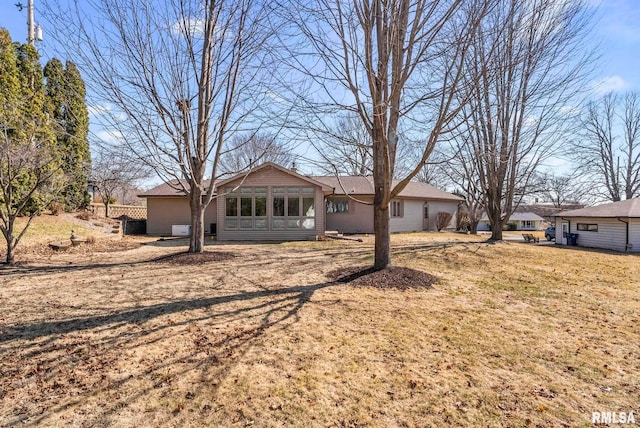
168	211
359	218
634	234
270	178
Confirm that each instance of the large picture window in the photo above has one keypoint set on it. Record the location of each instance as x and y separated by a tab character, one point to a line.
246	208
293	208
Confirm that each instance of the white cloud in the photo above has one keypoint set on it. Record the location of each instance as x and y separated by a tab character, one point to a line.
192	26
109	136
610	84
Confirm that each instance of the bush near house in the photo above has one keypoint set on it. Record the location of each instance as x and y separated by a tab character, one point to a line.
442	220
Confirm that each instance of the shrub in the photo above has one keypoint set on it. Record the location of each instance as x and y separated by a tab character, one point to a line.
442	220
56	208
512	226
84	215
91	240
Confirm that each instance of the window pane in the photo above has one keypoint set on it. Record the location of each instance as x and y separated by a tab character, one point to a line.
309	223
279	224
232	207
293	209
293	224
246	223
338	206
308	207
231	223
261	190
278	206
293	190
261	223
245	207
246	190
278	190
308	190
261	206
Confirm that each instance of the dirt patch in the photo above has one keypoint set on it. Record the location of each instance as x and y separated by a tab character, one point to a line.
400	278
196	258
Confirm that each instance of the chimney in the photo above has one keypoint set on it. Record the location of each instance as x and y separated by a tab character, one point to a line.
293	167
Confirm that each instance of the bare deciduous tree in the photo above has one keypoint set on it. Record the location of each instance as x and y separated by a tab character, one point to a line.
396	66
249	150
609	154
564	189
114	170
175	79
525	66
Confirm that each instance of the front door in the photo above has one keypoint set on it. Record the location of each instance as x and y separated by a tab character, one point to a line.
565	230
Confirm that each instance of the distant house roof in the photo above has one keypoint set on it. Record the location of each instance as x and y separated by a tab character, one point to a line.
358	185
628	208
528	216
546	211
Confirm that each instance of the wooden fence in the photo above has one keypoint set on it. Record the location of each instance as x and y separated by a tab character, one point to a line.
115	211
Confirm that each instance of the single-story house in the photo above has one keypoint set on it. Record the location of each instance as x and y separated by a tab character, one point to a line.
271	202
522	220
613	226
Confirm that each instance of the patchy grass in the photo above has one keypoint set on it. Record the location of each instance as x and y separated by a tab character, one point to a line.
512	334
47	228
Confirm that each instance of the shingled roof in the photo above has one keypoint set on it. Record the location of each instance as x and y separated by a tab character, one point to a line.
358	185
628	208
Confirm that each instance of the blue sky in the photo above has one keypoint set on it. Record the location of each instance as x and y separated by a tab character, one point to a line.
617	30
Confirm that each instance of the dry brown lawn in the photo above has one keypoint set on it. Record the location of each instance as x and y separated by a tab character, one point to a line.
512	334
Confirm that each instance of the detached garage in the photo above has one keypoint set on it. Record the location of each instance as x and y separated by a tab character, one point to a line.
613	226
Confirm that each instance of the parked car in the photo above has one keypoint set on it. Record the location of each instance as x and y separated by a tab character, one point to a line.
550	233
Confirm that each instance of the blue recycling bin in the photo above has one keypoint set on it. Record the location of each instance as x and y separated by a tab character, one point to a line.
572	239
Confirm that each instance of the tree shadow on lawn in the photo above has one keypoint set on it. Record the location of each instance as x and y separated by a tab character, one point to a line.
78	360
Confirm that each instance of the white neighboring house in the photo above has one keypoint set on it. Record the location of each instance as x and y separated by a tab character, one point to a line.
612	226
523	221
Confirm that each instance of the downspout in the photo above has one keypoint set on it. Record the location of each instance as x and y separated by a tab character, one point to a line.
627	246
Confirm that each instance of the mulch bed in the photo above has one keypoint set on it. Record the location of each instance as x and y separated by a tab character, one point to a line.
196	258
400	278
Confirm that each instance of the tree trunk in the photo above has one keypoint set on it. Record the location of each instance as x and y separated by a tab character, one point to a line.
196	241
106	209
496	226
383	239
473	226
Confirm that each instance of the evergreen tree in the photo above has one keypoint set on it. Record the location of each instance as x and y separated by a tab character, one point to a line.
67	107
30	176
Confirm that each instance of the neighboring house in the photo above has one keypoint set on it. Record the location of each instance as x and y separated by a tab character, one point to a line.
613	226
547	210
274	203
523	221
415	209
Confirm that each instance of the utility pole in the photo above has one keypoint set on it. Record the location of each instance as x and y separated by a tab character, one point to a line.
31	37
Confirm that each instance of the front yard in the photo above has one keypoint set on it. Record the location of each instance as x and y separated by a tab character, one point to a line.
512	334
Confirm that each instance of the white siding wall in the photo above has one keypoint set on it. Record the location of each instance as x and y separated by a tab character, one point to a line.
611	233
437	206
634	234
271	177
411	220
